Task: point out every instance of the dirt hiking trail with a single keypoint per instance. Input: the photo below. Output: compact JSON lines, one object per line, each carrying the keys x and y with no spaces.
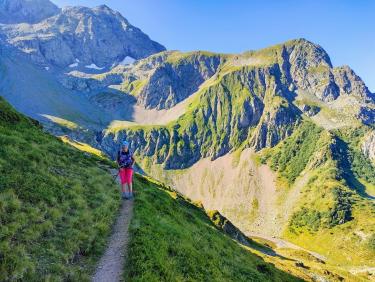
{"x":111,"y":265}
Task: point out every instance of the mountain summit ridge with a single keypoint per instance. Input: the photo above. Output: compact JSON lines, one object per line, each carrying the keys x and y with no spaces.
{"x":26,"y":11}
{"x":80,"y":36}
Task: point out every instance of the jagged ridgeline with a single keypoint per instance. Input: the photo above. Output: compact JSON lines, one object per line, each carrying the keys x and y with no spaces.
{"x":251,"y":100}
{"x":310,"y":122}
{"x":19,"y":11}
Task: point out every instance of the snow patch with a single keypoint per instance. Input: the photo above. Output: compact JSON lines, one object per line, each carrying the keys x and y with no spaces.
{"x":46,"y":68}
{"x":93,"y":66}
{"x":127,"y":61}
{"x":77,"y":60}
{"x":74,"y":65}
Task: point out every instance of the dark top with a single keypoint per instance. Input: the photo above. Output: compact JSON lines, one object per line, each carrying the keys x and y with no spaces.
{"x":125,"y":159}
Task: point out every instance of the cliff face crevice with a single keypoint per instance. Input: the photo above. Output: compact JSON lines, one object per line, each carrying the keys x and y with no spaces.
{"x":368,"y":146}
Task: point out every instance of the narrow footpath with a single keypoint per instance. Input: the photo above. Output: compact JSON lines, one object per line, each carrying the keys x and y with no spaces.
{"x":111,"y":266}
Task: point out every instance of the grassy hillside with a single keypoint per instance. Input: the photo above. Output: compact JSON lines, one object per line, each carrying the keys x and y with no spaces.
{"x":333,"y":209}
{"x":173,"y":240}
{"x":56,"y":204}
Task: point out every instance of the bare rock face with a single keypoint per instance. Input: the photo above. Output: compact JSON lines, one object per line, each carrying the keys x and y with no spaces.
{"x":275,"y":125}
{"x":311,"y":70}
{"x":97,"y":38}
{"x":248,"y":105}
{"x":173,"y":82}
{"x":368,"y":146}
{"x":26,"y":11}
{"x":350,"y":83}
{"x":309,"y":66}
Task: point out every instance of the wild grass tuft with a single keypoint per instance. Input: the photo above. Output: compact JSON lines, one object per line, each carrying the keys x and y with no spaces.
{"x":56,"y":204}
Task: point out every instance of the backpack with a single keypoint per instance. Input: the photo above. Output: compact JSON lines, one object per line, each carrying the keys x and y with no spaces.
{"x":125,"y":159}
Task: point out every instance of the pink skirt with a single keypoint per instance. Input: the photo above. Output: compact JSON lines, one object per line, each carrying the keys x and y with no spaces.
{"x":126,"y":175}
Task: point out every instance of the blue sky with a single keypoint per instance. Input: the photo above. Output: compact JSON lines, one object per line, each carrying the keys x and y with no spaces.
{"x":344,"y":28}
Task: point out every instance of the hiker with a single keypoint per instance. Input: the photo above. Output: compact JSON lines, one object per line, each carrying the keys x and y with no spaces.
{"x":125,"y":161}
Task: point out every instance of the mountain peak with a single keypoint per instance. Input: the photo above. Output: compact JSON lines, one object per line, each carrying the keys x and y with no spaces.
{"x":103,"y":7}
{"x":26,"y":11}
{"x":80,"y":37}
{"x":313,"y":51}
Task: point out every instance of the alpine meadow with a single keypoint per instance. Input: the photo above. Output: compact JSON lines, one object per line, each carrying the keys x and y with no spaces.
{"x":256,"y":166}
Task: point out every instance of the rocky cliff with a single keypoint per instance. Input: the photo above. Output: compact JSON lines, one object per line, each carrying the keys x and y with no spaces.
{"x":80,"y":37}
{"x":368,"y":146}
{"x":253,"y":100}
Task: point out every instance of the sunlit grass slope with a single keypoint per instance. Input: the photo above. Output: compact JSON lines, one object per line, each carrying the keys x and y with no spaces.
{"x":56,"y":204}
{"x":334,"y":216}
{"x":173,"y":240}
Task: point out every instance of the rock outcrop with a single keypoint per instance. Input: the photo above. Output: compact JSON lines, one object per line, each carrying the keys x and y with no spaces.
{"x":175,"y":80}
{"x":368,"y":146}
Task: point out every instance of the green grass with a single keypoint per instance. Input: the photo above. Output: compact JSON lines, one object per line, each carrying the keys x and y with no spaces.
{"x":357,"y":163}
{"x":56,"y":204}
{"x":62,"y":122}
{"x":135,"y":87}
{"x":83,"y":147}
{"x":291,"y":156}
{"x":333,"y":208}
{"x":320,"y":69}
{"x":176,"y":57}
{"x":173,"y":240}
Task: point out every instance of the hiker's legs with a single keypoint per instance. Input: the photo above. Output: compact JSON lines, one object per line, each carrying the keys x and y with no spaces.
{"x":130,"y":182}
{"x":123,"y":187}
{"x":126,"y":182}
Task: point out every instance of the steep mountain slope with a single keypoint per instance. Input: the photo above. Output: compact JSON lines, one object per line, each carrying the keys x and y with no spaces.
{"x":333,"y":199}
{"x":171,"y":239}
{"x":35,"y":58}
{"x":36,"y":93}
{"x":56,"y":204}
{"x":255,"y":101}
{"x":251,"y":101}
{"x":184,"y":113}
{"x":80,"y":37}
{"x":26,"y":11}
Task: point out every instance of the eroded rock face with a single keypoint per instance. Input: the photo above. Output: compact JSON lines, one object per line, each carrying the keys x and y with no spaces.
{"x":350,"y":83}
{"x":250,"y":106}
{"x":173,"y":82}
{"x":97,"y":37}
{"x":274,"y":127}
{"x":309,"y":66}
{"x":368,"y":146}
{"x":84,"y":84}
{"x":26,"y":11}
{"x":311,"y":70}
